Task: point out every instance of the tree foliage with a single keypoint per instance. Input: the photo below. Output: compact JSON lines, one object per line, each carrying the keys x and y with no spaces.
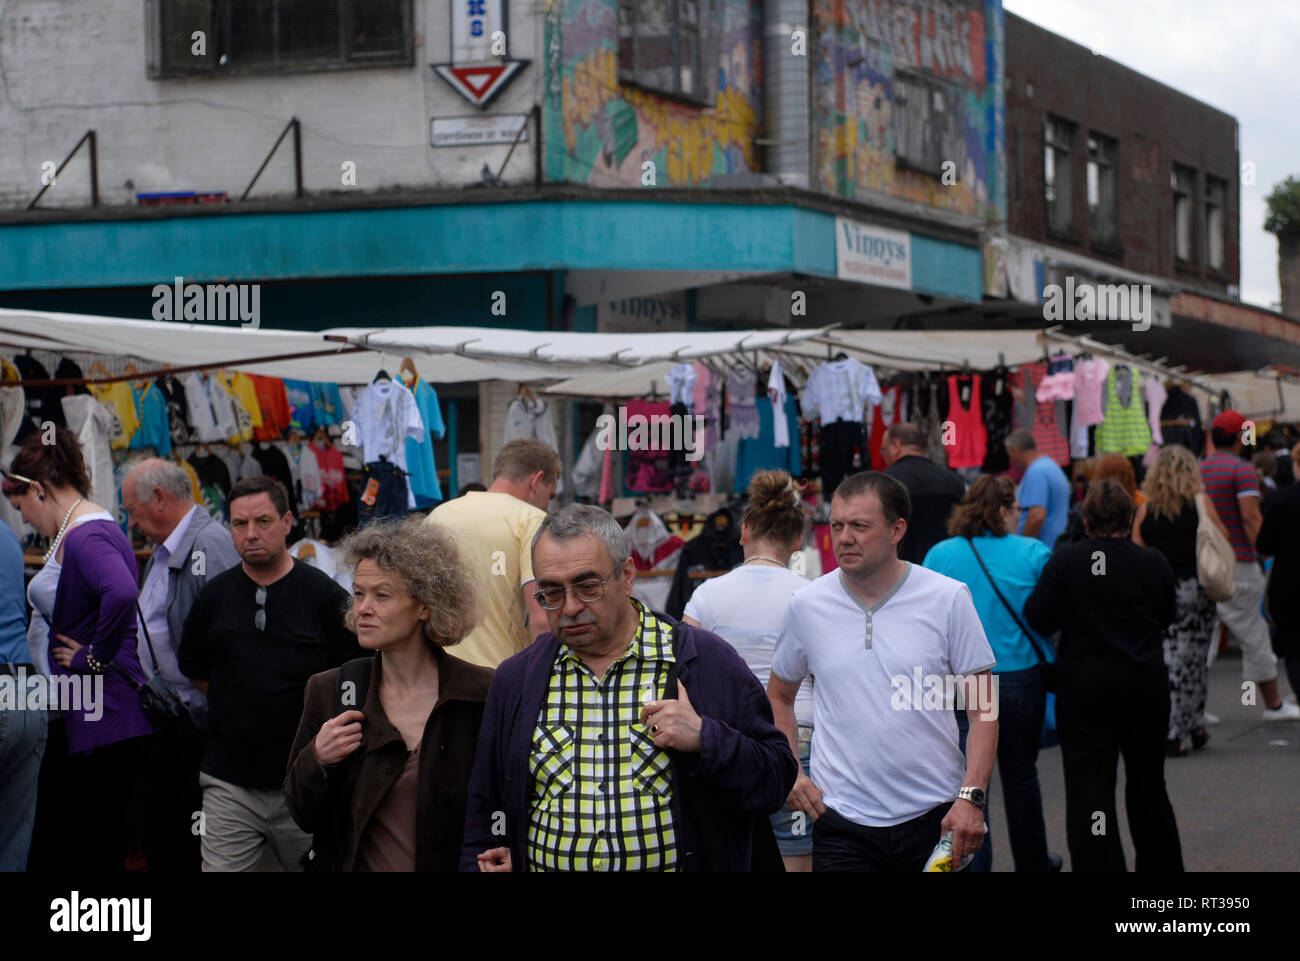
{"x":1284,"y":208}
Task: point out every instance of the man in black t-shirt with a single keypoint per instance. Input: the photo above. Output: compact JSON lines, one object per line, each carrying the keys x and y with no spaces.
{"x":256,"y":633}
{"x":934,"y":490}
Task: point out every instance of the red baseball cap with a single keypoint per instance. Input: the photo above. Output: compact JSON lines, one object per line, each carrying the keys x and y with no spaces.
{"x":1229,"y":420}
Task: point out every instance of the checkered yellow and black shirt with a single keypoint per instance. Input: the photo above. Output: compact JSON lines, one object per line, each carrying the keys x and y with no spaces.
{"x":602,"y":793}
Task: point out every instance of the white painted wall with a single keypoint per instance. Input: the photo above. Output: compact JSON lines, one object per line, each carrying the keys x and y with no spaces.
{"x":67,"y":66}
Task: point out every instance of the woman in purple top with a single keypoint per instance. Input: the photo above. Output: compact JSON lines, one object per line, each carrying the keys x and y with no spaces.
{"x":92,"y":625}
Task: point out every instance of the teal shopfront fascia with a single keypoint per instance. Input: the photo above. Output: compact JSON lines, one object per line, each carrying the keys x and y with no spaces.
{"x":495,"y":264}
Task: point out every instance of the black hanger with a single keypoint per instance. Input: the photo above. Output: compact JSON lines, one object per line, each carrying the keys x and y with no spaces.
{"x":382,"y":375}
{"x":841,"y":356}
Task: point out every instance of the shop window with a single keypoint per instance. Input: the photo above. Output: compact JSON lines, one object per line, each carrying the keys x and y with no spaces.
{"x":1183,"y":181}
{"x":1216,"y":196}
{"x":659,"y":46}
{"x":270,"y":36}
{"x":1102,"y":221}
{"x":1058,"y":193}
{"x":926,"y":129}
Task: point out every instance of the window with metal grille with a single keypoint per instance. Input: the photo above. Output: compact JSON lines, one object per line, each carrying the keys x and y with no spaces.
{"x":1216,"y":196}
{"x":926,"y":126}
{"x":1102,"y":221}
{"x":1058,"y":181}
{"x":1183,"y":180}
{"x":217,"y":37}
{"x":659,"y":46}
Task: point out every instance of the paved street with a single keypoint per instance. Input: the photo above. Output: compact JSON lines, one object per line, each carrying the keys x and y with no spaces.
{"x":1236,"y":800}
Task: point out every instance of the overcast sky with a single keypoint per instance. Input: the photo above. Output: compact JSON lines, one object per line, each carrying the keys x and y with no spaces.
{"x":1238,"y":56}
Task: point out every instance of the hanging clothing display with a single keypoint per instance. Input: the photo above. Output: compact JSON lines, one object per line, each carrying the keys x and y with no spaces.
{"x":1041,"y":419}
{"x":705,"y":402}
{"x":333,"y":484}
{"x":120,"y":401}
{"x":647,"y":468}
{"x":302,"y":410}
{"x":965,"y":413}
{"x":42,"y":402}
{"x":527,"y":417}
{"x":421,"y":469}
{"x":839,"y":391}
{"x":386,"y":416}
{"x":742,"y":406}
{"x":178,"y":411}
{"x":681,"y":385}
{"x":776,"y":393}
{"x":762,"y":452}
{"x":92,"y":423}
{"x":653,"y":548}
{"x":248,"y":413}
{"x":1180,"y":421}
{"x":883,"y":416}
{"x":13,"y":411}
{"x":1153,"y":392}
{"x":384,"y":492}
{"x":214,"y":484}
{"x":1125,"y":429}
{"x":327,"y":403}
{"x":841,"y":448}
{"x":270,"y":461}
{"x":273,"y":403}
{"x":151,"y":412}
{"x":586,"y":472}
{"x":212,"y":412}
{"x":926,"y":409}
{"x":715,"y":549}
{"x":997,"y":401}
{"x":1059,"y":382}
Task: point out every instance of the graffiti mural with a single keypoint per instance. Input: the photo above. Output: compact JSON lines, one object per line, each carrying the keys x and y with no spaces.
{"x":861,"y":142}
{"x":601,"y":132}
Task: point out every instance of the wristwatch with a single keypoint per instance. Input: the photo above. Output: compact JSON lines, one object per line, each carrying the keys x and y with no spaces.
{"x":975,"y":795}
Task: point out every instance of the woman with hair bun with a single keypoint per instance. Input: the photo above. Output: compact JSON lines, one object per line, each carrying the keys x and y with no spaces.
{"x":383,"y":785}
{"x":86,"y":594}
{"x":746,"y":606}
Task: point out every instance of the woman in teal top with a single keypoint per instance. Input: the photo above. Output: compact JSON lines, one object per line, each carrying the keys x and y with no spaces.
{"x":983,"y":523}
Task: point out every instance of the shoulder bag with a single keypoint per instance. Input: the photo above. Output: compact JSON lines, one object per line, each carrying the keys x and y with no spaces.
{"x":1216,"y":561}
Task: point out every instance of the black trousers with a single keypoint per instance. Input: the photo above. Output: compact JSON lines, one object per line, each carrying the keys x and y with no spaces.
{"x":1098,"y":724}
{"x":841,"y":845}
{"x":171,"y":797}
{"x":839,"y":440}
{"x":103,"y":782}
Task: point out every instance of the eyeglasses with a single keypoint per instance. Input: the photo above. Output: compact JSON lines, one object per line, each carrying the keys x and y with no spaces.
{"x":588,"y":590}
{"x":259,"y":619}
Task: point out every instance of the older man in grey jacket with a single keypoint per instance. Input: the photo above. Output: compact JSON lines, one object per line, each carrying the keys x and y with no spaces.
{"x":189,"y":548}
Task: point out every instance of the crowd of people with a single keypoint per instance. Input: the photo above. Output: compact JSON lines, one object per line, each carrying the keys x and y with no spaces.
{"x":492,"y":697}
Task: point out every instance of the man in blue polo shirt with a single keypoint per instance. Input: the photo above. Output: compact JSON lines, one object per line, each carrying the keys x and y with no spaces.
{"x":1044,"y":492}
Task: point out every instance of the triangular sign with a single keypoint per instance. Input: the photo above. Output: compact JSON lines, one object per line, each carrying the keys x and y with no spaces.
{"x":479,"y":83}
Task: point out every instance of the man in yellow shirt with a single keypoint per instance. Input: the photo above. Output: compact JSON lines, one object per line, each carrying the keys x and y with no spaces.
{"x":495,"y":529}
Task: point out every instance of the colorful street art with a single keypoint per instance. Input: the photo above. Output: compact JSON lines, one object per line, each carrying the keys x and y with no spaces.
{"x":601,"y":132}
{"x":861,"y":43}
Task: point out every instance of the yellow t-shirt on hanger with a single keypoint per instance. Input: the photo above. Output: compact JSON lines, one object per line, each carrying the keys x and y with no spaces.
{"x":121,"y":403}
{"x":247,"y":409}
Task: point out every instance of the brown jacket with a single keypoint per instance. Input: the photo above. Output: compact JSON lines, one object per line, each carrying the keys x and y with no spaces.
{"x":446,"y":758}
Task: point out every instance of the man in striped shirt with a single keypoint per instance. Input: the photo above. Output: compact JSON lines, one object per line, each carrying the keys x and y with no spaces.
{"x":1234,"y":489}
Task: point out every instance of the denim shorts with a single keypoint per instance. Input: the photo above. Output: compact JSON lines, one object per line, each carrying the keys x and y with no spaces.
{"x":786,"y":822}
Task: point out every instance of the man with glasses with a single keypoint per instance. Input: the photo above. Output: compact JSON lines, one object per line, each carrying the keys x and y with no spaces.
{"x":256,"y":633}
{"x":621,"y":740}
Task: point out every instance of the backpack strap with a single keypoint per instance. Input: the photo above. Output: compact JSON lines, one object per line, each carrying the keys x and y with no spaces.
{"x":356,"y":672}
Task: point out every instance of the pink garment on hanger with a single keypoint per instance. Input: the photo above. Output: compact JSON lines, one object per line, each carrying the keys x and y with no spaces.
{"x":1089,"y":378}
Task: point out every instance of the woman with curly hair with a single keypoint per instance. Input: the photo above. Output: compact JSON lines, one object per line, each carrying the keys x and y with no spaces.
{"x":382,"y":784}
{"x":1167,"y":521}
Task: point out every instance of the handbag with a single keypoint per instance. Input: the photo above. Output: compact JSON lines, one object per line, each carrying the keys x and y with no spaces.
{"x":162,"y":705}
{"x":1216,"y":561}
{"x":1048,"y":736}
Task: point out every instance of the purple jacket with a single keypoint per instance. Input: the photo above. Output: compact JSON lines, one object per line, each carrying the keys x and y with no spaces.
{"x":95,"y":606}
{"x":721,"y":797}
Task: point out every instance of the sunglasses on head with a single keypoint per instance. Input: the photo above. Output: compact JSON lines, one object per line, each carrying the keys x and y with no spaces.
{"x":14,"y":483}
